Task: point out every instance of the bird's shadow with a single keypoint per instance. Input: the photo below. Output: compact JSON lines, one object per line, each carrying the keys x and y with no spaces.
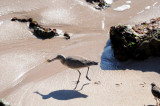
{"x":109,"y":62}
{"x":152,"y":105}
{"x":63,"y":95}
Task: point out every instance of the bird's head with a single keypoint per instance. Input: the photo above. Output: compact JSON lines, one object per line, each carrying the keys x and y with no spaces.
{"x":153,"y":84}
{"x":59,"y":57}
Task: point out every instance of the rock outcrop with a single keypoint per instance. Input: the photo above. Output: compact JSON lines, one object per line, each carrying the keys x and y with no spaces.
{"x":137,"y":42}
{"x":4,"y":103}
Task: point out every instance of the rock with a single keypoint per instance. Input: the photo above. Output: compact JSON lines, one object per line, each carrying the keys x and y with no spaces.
{"x":43,"y":33}
{"x":33,"y":24}
{"x":14,"y":19}
{"x":128,"y":43}
{"x":91,"y":1}
{"x":4,"y":103}
{"x":39,"y":31}
{"x":66,"y":35}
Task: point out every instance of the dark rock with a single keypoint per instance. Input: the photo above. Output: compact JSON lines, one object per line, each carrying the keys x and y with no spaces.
{"x":33,"y":24}
{"x":91,"y":1}
{"x":30,"y":19}
{"x":39,"y":31}
{"x":66,"y":35}
{"x":100,"y":4}
{"x":14,"y":19}
{"x":4,"y":103}
{"x":22,"y":20}
{"x":43,"y":33}
{"x":128,"y":43}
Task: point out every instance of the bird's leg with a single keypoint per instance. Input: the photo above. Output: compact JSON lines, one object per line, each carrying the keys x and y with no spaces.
{"x":159,"y":102}
{"x":79,"y":76}
{"x":156,"y":100}
{"x":78,"y":79}
{"x":87,"y":75}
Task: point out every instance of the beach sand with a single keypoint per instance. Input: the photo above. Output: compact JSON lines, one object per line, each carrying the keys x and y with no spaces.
{"x":26,"y":78}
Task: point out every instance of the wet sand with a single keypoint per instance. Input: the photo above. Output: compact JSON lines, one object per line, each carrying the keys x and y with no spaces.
{"x":26,"y":78}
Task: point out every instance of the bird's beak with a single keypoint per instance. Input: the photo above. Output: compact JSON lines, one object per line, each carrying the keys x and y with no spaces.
{"x":50,"y":60}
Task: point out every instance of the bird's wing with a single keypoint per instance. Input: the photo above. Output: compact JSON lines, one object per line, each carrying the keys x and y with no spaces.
{"x":78,"y":59}
{"x":76,"y":62}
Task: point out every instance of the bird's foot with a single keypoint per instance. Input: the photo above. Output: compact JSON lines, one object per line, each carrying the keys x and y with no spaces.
{"x":88,"y":78}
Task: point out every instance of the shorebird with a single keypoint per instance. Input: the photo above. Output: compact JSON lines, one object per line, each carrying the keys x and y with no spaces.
{"x":75,"y":63}
{"x":156,"y":92}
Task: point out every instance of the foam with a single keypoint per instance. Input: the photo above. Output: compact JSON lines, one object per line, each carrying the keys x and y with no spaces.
{"x":103,"y":24}
{"x":109,"y":1}
{"x":154,"y":3}
{"x":122,"y":8}
{"x":128,"y":2}
{"x":1,"y":22}
{"x":148,"y":7}
{"x":140,"y":12}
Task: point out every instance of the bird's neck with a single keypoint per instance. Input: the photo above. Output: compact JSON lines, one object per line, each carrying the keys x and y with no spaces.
{"x":153,"y":87}
{"x":63,"y":60}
